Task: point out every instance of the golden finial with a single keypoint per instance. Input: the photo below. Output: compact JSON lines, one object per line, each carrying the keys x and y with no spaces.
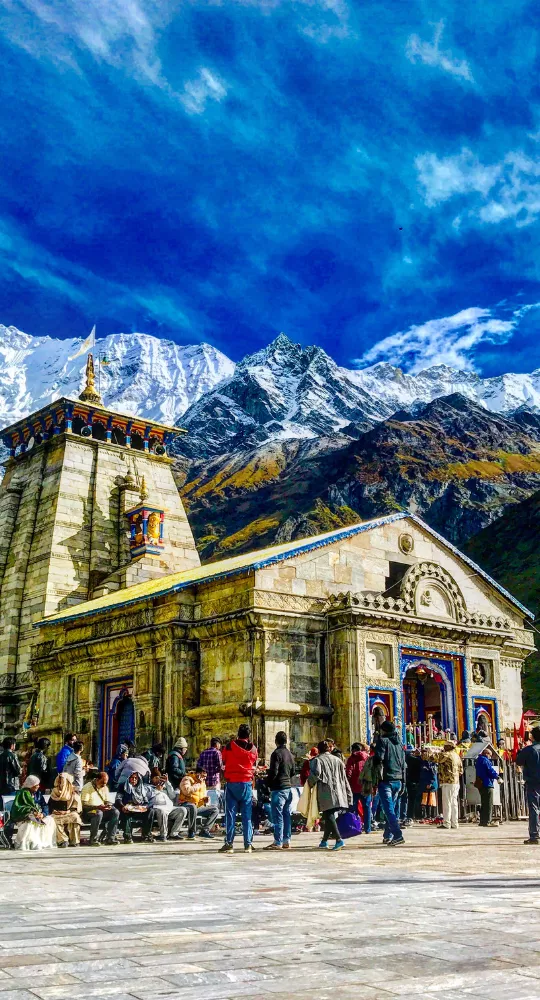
{"x":90,"y":393}
{"x":143,"y":493}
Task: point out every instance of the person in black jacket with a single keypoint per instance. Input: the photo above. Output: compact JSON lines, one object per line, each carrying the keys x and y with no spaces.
{"x":389,"y":752}
{"x":529,"y":759}
{"x":280,"y":773}
{"x":10,"y":769}
{"x":154,"y":756}
{"x":175,"y":765}
{"x":39,"y":763}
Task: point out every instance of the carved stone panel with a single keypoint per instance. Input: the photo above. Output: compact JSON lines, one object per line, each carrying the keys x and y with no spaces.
{"x":379,"y":660}
{"x":482,"y":673}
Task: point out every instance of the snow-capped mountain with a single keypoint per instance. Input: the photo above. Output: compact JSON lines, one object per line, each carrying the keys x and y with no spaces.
{"x":282,"y":392}
{"x":398,"y":390}
{"x":155,"y":378}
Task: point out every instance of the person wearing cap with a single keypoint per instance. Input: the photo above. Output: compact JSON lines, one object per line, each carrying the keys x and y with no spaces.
{"x":116,"y":764}
{"x":390,"y":755}
{"x":449,"y":771}
{"x":175,"y":765}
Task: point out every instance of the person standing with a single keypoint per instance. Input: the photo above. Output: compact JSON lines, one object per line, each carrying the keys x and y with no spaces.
{"x":98,"y":810}
{"x":390,"y":755}
{"x":334,"y":793}
{"x":38,"y":765}
{"x":449,"y":771}
{"x":10,"y":768}
{"x":353,"y":769}
{"x":528,"y":758}
{"x":279,"y":778}
{"x":63,"y":754}
{"x":486,"y":776}
{"x":211,"y":761}
{"x":239,"y":760}
{"x":74,"y":766}
{"x":175,"y":765}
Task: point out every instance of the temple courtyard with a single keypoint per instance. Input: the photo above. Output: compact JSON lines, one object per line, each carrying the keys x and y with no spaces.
{"x":449,"y":916}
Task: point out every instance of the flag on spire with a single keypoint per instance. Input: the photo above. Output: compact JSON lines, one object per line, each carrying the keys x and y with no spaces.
{"x":86,"y":345}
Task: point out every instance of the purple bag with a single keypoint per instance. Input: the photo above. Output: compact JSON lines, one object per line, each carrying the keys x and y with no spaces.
{"x":349,"y":824}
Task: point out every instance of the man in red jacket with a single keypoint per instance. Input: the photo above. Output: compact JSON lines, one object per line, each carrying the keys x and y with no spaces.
{"x":239,"y":759}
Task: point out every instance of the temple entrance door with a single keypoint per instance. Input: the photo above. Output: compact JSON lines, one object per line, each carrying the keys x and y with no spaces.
{"x":117,"y":718}
{"x":423,"y":703}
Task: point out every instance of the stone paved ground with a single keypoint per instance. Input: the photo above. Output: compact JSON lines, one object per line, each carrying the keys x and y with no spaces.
{"x":448,"y":917}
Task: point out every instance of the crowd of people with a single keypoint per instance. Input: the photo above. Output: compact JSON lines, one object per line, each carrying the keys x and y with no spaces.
{"x":382,"y":786}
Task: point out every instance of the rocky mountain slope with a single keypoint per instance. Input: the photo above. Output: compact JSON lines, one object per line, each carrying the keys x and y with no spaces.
{"x":455,"y":463}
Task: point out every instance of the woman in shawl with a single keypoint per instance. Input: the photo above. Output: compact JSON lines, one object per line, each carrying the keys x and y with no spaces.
{"x":35,"y":832}
{"x":64,"y":805}
{"x":327,"y":773}
{"x":133,"y":803}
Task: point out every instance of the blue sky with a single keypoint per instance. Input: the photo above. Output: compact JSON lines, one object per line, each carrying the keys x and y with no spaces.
{"x":364,"y":176}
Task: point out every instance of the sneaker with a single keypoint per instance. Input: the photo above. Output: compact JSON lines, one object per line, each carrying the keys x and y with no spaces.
{"x":149,"y":839}
{"x":176,"y":836}
{"x":162,"y":840}
{"x":273,"y":847}
{"x":191,"y":836}
{"x":127,"y":840}
{"x":323,"y":846}
{"x":95,"y":843}
{"x":338,"y":845}
{"x":397,"y":842}
{"x":249,"y":849}
{"x":59,"y":846}
{"x":226,"y":849}
{"x":531,"y":840}
{"x":285,"y":845}
{"x":206,"y":835}
{"x":387,"y":840}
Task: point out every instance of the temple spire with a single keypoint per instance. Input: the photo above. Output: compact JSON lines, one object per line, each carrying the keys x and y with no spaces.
{"x":90,"y":393}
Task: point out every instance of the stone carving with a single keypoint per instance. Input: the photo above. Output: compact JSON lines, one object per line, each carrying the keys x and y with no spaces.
{"x":482,"y":673}
{"x":433,"y":602}
{"x":379,"y":659}
{"x":442,"y":588}
{"x":406,"y":543}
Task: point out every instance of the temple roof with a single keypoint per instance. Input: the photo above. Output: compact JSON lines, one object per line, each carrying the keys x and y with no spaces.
{"x":80,"y":407}
{"x":252,"y":561}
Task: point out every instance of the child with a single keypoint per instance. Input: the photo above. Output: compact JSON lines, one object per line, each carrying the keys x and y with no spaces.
{"x":429,"y":786}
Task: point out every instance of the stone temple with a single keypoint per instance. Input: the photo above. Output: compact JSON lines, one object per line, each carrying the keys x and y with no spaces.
{"x":110,"y":626}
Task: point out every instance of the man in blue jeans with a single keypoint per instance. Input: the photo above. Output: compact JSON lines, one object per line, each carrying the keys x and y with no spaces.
{"x":389,"y":752}
{"x":279,"y":779}
{"x":239,"y":760}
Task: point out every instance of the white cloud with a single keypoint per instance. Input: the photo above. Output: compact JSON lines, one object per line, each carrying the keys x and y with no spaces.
{"x":431,"y":54}
{"x":507,"y":190}
{"x":205,"y":87}
{"x":122,"y":33}
{"x":446,"y":341}
{"x":444,"y":177}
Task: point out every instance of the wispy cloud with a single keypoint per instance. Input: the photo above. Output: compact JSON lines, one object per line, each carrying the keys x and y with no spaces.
{"x":431,"y":54}
{"x":450,"y":340}
{"x":508,"y":189}
{"x":205,"y":87}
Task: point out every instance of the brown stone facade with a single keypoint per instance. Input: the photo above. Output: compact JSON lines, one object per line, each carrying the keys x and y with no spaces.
{"x":287,"y":645}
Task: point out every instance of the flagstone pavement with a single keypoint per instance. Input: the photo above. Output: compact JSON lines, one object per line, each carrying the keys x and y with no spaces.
{"x":450,"y":916}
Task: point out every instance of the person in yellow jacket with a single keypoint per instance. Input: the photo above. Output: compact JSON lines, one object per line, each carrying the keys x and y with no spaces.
{"x":194,"y":796}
